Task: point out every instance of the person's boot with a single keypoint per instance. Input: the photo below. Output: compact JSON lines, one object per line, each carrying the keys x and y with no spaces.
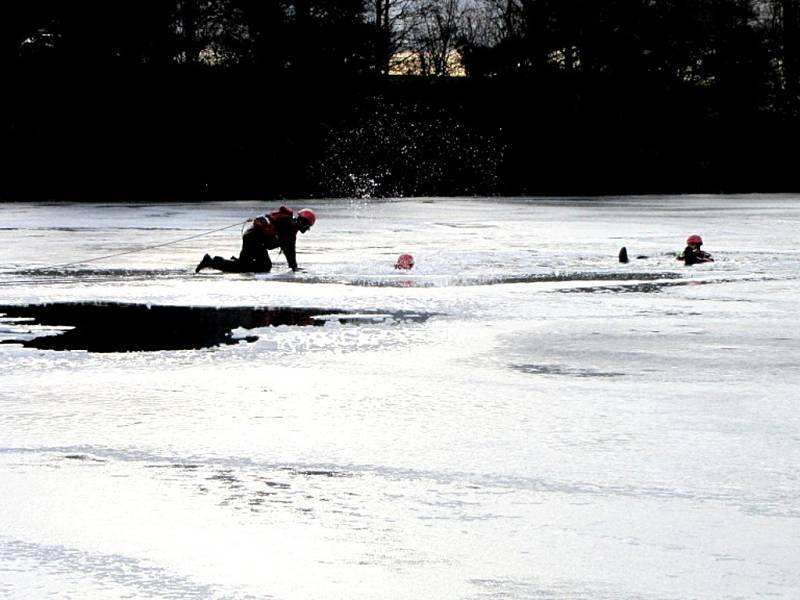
{"x":204,"y":264}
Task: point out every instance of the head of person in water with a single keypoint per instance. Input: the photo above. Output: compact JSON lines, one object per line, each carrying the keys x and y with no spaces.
{"x":405,"y":262}
{"x":694,"y":240}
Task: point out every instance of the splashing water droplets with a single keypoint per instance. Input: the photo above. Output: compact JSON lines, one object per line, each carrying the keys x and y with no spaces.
{"x":426,"y":152}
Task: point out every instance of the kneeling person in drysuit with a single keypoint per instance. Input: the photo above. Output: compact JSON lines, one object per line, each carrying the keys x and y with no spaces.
{"x":692,"y":254}
{"x":267,"y":232}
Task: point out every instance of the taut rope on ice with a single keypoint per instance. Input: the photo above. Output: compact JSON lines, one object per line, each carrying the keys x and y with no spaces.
{"x":142,"y":249}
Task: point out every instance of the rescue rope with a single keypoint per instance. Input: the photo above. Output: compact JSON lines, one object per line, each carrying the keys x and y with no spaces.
{"x":88,"y":260}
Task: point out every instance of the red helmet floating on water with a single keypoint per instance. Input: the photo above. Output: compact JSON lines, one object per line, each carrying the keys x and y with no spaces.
{"x":694,"y":240}
{"x":404,"y":261}
{"x":308,"y":215}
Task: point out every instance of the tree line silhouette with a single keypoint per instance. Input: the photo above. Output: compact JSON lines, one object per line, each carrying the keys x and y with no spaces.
{"x":272,"y":98}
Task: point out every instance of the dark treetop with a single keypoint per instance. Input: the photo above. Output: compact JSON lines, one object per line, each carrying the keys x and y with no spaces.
{"x":160,"y":99}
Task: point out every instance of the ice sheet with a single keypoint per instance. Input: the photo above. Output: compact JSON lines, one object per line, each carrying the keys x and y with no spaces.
{"x":559,"y":425}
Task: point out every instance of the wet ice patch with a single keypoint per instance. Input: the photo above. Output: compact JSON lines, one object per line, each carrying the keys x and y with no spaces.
{"x":559,"y":370}
{"x":115,"y":327}
{"x":84,"y":458}
{"x":437,"y":280}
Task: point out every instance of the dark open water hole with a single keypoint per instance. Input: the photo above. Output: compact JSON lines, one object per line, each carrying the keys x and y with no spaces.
{"x":114,"y":327}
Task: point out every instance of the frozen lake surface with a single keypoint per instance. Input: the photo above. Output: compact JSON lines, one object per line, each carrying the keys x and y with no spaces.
{"x":520,"y":416}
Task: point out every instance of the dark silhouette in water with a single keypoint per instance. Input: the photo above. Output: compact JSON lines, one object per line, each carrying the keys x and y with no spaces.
{"x":623,"y":255}
{"x":692,"y":254}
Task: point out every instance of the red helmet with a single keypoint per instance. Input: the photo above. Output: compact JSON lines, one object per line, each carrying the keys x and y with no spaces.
{"x":308,"y":215}
{"x":404,"y":261}
{"x":694,"y":240}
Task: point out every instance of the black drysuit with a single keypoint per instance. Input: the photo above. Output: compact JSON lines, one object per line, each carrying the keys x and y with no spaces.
{"x":692,"y":255}
{"x":278,"y":230}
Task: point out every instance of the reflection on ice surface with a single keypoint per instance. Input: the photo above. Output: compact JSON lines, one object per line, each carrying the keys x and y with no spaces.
{"x":518,"y":416}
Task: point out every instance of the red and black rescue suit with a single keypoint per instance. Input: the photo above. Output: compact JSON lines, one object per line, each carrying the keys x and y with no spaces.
{"x":275,"y":230}
{"x":692,"y":255}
